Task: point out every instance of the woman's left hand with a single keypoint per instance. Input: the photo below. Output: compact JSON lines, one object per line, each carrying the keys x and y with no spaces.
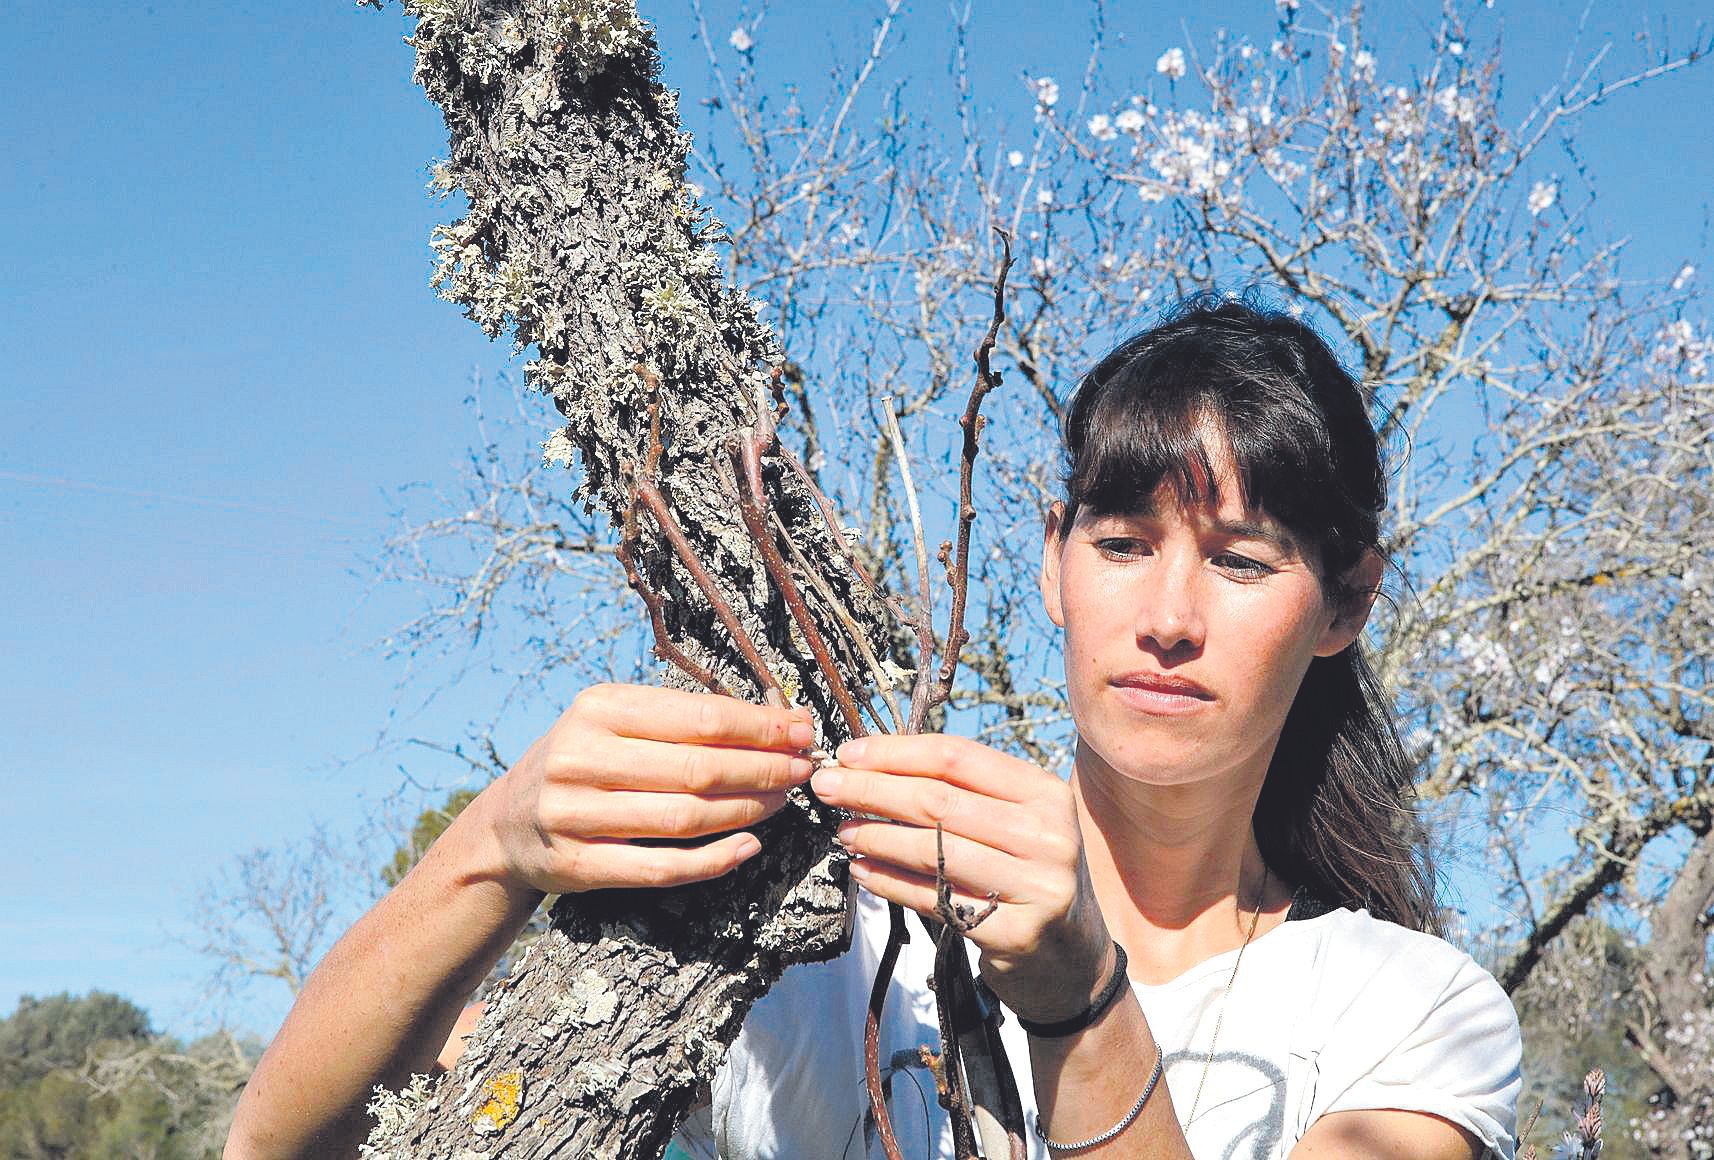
{"x":1010,"y":829}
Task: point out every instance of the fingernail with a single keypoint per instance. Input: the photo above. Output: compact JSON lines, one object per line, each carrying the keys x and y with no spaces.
{"x":801,"y":733}
{"x":801,"y":768}
{"x":749,"y":847}
{"x":851,"y":753}
{"x":843,"y":834}
{"x":859,"y":869}
{"x":827,"y":781}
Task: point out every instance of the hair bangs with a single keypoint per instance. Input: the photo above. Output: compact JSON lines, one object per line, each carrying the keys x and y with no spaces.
{"x":1136,"y":444}
{"x":1166,"y":409}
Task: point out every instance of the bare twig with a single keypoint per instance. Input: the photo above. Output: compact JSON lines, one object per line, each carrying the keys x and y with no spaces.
{"x":897,"y":937}
{"x":958,"y":573}
{"x":752,"y":499}
{"x":664,"y":646}
{"x":921,"y":618}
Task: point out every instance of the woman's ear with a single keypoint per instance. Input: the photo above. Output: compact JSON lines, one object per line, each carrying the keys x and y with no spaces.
{"x":1360,"y":584}
{"x":1052,"y":541}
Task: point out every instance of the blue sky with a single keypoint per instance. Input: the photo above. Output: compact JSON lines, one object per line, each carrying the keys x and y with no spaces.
{"x":221,"y":361}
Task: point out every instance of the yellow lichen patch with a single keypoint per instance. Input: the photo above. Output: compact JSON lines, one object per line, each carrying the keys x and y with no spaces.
{"x":505,"y":1094}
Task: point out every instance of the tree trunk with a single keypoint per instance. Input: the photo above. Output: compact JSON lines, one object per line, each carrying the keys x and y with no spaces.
{"x":583,"y":240}
{"x":1677,"y":1011}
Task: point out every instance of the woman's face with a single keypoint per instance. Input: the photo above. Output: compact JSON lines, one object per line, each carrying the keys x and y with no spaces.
{"x":1187,"y":632}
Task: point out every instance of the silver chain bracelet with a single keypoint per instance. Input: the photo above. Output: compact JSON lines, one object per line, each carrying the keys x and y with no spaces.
{"x":1136,"y":1110}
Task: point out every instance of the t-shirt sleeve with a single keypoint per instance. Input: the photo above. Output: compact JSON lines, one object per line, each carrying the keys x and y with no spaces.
{"x":1462,"y":1062}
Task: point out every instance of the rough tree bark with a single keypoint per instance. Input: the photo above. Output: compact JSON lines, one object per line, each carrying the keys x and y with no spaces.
{"x":1676,"y":1015}
{"x":583,"y":240}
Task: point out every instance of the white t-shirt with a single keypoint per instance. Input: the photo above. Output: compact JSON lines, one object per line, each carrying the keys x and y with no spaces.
{"x":1333,"y":1013}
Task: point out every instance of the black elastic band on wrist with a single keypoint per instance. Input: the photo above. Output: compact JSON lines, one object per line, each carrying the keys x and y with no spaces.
{"x":1059,"y":1029}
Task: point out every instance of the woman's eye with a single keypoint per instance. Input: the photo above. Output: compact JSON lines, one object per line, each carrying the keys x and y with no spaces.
{"x":1121,"y":546}
{"x":1242,"y":565}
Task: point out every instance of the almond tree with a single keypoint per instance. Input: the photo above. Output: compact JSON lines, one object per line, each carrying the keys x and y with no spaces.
{"x":1549,"y":629}
{"x":583,"y":242}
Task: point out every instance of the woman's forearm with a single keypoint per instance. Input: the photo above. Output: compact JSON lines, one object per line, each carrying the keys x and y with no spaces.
{"x":623,"y":762}
{"x":380,"y":1006}
{"x":1081,"y":1093}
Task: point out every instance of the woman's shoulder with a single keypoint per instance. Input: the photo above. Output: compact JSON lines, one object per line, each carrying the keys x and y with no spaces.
{"x":1393,"y":982}
{"x":1399,"y":1018}
{"x":1355,"y":941}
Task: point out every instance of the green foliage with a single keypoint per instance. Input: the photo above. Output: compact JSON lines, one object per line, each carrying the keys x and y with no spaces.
{"x":83,"y":1076}
{"x":60,"y":1031}
{"x":430,"y":825}
{"x":1573,"y":1011}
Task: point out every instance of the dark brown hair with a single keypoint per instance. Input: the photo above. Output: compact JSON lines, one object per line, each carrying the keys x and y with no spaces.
{"x":1336,"y":815}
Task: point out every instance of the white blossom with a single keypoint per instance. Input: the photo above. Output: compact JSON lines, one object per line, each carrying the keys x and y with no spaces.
{"x":1044,"y":197}
{"x":1678,"y":344}
{"x":1454,"y":106}
{"x":741,"y":40}
{"x":1482,"y":655}
{"x":1129,"y":121}
{"x":1685,"y":274}
{"x":1363,"y":65}
{"x":1101,"y":127}
{"x":1188,"y":156}
{"x":1171,"y":64}
{"x":1047,"y":91}
{"x":1456,"y":48}
{"x":1542,"y":196}
{"x":1015,"y":158}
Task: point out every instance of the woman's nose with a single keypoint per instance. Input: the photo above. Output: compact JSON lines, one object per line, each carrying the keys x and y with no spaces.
{"x":1170,"y":617}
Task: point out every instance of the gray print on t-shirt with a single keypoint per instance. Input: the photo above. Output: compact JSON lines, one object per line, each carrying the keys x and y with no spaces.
{"x":1263,"y":1133}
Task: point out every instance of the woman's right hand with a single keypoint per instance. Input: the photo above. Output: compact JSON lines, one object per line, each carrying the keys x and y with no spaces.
{"x":630,"y":762}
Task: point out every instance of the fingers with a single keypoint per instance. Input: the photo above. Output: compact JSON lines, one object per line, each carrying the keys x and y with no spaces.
{"x":974,"y":867}
{"x":628,"y":814}
{"x":661,"y":766}
{"x":605,"y":864}
{"x":956,"y":760}
{"x":1018,"y":830}
{"x":917,"y":892}
{"x":645,"y":712}
{"x":899,"y":864}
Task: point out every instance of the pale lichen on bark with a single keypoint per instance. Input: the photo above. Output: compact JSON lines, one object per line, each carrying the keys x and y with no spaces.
{"x":583,"y":241}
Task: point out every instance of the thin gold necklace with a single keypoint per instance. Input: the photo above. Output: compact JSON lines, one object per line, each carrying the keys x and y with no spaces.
{"x":1255,"y":920}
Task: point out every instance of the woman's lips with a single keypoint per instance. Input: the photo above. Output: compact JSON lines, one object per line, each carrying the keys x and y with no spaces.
{"x":1160,"y":694}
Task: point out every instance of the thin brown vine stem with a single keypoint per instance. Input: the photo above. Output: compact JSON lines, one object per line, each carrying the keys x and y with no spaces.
{"x":751,"y":501}
{"x":956,"y":991}
{"x":665,"y":648}
{"x":947,"y":947}
{"x":853,"y":634}
{"x":657,"y":507}
{"x":897,"y":937}
{"x":840,"y":539}
{"x":955,"y":995}
{"x":958,"y":572}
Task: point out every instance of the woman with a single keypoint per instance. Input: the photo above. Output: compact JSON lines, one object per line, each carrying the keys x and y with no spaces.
{"x":1235,"y":821}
